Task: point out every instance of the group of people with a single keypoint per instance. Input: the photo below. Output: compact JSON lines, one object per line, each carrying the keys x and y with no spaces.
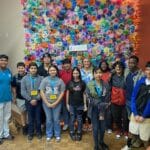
{"x":100,"y":96}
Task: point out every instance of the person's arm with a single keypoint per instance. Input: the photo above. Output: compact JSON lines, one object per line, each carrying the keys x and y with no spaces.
{"x":14,"y":94}
{"x":133,"y":98}
{"x":67,"y":99}
{"x":58,"y":100}
{"x":146,"y":112}
{"x":24,"y":87}
{"x":85,"y":103}
{"x":44,"y":98}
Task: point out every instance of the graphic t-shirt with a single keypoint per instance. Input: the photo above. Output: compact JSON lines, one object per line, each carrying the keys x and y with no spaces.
{"x":52,"y":88}
{"x":76,"y":90}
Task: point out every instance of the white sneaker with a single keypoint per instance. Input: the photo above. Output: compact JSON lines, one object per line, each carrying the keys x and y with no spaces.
{"x":126,"y":148}
{"x":109,"y":131}
{"x":118,"y":136}
{"x":58,"y":139}
{"x":65,"y":127}
{"x":48,"y":139}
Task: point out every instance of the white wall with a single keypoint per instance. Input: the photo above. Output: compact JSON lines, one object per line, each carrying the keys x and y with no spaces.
{"x":11,"y":31}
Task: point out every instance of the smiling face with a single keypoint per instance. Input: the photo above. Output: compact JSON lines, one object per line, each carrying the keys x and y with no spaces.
{"x":133,"y":64}
{"x":3,"y":63}
{"x":21,"y":70}
{"x":52,"y":71}
{"x":97,"y":74}
{"x":86,"y":63}
{"x":118,"y":69}
{"x":47,"y":60}
{"x":33,"y":70}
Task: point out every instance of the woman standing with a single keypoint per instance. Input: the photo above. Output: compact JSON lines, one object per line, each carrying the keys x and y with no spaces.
{"x":76,"y":103}
{"x":52,"y":90}
{"x":98,"y":97}
{"x":87,"y":76}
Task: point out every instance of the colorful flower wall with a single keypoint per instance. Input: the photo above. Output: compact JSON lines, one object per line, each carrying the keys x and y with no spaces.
{"x":108,"y":28}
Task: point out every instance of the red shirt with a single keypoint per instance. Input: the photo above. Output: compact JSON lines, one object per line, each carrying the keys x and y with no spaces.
{"x":65,"y":75}
{"x":106,"y":76}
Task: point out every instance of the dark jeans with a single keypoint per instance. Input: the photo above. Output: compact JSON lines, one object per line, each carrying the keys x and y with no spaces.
{"x":64,"y":113}
{"x":120,"y":117}
{"x":98,"y":128}
{"x":34,"y":117}
{"x":76,"y":113}
{"x":109,"y":119}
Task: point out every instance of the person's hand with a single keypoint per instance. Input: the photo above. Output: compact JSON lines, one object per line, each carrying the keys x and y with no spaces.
{"x":14,"y":101}
{"x":137,"y":118}
{"x":53,"y":105}
{"x":68,"y":107}
{"x":85,"y":108}
{"x":141,"y":119}
{"x":33,"y":102}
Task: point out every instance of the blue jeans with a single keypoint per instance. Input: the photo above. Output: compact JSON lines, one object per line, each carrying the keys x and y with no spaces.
{"x":76,"y":112}
{"x":98,"y":127}
{"x":65,"y":113}
{"x":34,"y":118}
{"x":52,"y":120}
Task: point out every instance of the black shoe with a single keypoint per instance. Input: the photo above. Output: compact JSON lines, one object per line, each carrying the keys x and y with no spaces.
{"x":96,"y":148}
{"x":39,"y":136}
{"x":30,"y":137}
{"x":79,"y":137}
{"x":73,"y":137}
{"x":104,"y":146}
{"x":25,"y":130}
{"x":1,"y":141}
{"x":9,"y":137}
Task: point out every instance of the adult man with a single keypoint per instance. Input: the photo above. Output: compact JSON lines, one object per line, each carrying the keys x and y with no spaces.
{"x":5,"y":98}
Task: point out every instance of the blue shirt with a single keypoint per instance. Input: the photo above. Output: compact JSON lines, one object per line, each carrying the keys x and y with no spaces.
{"x":86,"y":76}
{"x":5,"y":85}
{"x":129,"y":87}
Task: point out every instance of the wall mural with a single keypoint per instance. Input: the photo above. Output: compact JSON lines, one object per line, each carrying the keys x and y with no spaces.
{"x":98,"y":29}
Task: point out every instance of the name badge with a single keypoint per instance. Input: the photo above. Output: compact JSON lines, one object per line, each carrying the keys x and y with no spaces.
{"x":34,"y":93}
{"x":53,"y":97}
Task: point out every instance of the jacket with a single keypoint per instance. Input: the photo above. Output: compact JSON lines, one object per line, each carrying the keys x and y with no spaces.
{"x":102,"y":102}
{"x":136,"y":93}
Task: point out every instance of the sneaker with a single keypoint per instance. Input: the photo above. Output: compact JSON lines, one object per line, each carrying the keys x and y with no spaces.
{"x":72,"y":136}
{"x":30,"y":137}
{"x":9,"y":137}
{"x":1,"y":141}
{"x":89,"y":128}
{"x":48,"y":139}
{"x":126,"y":135}
{"x":137,"y":143}
{"x":126,"y":148}
{"x":39,"y":136}
{"x":65,"y":127}
{"x":109,"y":131}
{"x":118,"y":135}
{"x":25,"y":130}
{"x":85,"y":128}
{"x":58,"y":139}
{"x":79,"y":137}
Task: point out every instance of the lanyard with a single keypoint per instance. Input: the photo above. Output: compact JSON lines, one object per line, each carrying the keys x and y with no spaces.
{"x":53,"y":83}
{"x":98,"y":89}
{"x":33,"y":81}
